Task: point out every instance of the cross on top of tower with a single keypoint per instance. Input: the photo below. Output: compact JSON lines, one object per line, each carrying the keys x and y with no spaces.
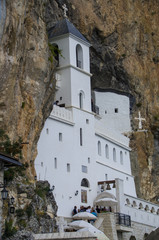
{"x":65,"y":9}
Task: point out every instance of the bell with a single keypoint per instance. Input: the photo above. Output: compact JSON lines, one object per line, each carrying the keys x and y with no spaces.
{"x":108,"y":187}
{"x":114,"y":185}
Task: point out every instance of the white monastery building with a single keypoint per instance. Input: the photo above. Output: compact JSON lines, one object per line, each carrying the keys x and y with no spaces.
{"x":82,"y":150}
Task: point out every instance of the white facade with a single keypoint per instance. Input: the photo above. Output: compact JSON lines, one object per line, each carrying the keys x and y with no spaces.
{"x":77,"y":144}
{"x":114,"y":109}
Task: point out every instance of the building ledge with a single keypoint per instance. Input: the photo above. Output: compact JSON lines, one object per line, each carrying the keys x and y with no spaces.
{"x":65,"y":235}
{"x":121,"y":228}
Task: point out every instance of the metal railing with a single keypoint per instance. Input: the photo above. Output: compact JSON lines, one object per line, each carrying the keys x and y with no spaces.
{"x":123,"y":219}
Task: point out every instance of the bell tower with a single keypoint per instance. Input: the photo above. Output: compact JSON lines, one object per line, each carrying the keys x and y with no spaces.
{"x":73,"y":68}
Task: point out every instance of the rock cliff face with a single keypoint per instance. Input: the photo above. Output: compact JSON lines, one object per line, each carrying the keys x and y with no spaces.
{"x":26,"y":79}
{"x":124,"y":56}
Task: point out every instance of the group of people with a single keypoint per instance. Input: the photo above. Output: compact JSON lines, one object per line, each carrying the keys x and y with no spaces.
{"x":89,"y":209}
{"x":92,"y":210}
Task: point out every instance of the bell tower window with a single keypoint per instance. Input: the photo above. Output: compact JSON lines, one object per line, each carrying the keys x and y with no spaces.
{"x":79,"y":56}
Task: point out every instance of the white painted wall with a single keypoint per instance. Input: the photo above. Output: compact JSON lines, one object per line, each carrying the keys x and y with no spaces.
{"x":107,"y":102}
{"x":68,"y":151}
{"x":80,"y":82}
{"x":64,"y":91}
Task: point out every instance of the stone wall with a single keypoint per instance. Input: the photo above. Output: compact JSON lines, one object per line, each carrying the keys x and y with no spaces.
{"x":139,"y":231}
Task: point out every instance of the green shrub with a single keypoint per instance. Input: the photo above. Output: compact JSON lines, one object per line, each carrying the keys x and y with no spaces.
{"x":11,"y":148}
{"x":20,"y":212}
{"x":42,"y":191}
{"x":138,"y":105}
{"x":29,"y":211}
{"x":23,"y":105}
{"x":9,"y":174}
{"x":22,"y":223}
{"x":155,"y":118}
{"x":9,"y":229}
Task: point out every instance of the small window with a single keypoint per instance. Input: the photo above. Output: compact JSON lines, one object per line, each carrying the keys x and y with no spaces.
{"x":87,"y":121}
{"x":99,"y":148}
{"x":106,"y":177}
{"x":47,"y":131}
{"x":42,"y":164}
{"x":84,"y":169}
{"x":81,"y":99}
{"x":55,"y":163}
{"x":105,"y":111}
{"x":60,"y":98}
{"x":89,"y":160}
{"x":68,"y":167}
{"x":106,"y":151}
{"x":127,"y":179}
{"x":60,"y":137}
{"x":114,"y":154}
{"x":116,"y":110}
{"x":121,"y":157}
{"x":81,"y":137}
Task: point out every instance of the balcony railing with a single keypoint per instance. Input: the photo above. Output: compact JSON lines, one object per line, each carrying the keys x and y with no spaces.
{"x":123,"y":219}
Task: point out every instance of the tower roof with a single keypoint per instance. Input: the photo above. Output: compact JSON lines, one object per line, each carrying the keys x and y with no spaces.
{"x":63,"y":27}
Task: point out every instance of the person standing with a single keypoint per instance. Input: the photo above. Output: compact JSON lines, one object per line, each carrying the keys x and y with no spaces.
{"x":74,"y":211}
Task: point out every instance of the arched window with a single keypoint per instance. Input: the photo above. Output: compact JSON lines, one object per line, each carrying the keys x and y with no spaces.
{"x":145,"y":236}
{"x":134,"y":204}
{"x":99,"y":148}
{"x":106,"y":151}
{"x":141,"y":206}
{"x":127,"y":202}
{"x":114,"y":154}
{"x":153,"y":210}
{"x":84,"y":183}
{"x":79,"y":56}
{"x":81,"y":99}
{"x":147,"y":208}
{"x":56,"y":52}
{"x":132,"y":238}
{"x":121,"y":157}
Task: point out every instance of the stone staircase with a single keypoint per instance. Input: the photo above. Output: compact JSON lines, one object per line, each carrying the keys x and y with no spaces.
{"x":106,"y":223}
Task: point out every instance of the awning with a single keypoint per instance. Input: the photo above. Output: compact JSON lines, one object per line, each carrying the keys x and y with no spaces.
{"x":9,"y":161}
{"x":84,"y":216}
{"x":105,"y":202}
